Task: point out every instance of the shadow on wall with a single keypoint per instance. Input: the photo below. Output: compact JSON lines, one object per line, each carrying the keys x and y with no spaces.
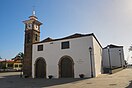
{"x":15,"y":81}
{"x":130,"y":85}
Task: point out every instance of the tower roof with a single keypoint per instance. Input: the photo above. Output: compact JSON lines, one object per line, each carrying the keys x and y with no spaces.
{"x":33,"y":15}
{"x":32,"y":19}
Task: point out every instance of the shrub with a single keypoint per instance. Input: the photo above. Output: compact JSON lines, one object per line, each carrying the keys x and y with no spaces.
{"x":50,"y":76}
{"x":81,"y":75}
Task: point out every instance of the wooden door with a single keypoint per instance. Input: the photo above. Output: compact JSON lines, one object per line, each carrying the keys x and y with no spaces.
{"x":40,"y":68}
{"x":66,"y":68}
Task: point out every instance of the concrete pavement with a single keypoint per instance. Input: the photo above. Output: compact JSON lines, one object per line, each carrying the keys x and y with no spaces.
{"x":122,"y":79}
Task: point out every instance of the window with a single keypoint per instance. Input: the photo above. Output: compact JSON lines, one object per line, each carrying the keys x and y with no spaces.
{"x":28,"y":38}
{"x":65,"y":45}
{"x":40,"y":47}
{"x":16,"y":65}
{"x":36,"y":37}
{"x":10,"y":65}
{"x":20,"y":65}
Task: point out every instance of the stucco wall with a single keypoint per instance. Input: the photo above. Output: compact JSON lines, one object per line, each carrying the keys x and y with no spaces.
{"x":114,"y":57}
{"x":97,"y":53}
{"x":78,"y":51}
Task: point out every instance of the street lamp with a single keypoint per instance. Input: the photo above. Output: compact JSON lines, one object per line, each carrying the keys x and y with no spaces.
{"x":90,"y":50}
{"x":5,"y":65}
{"x":109,"y":60}
{"x":120,"y":57}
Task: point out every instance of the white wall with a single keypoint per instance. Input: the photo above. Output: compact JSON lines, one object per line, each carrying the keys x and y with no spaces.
{"x":105,"y":58}
{"x":79,"y":52}
{"x":114,"y":57}
{"x":97,"y":53}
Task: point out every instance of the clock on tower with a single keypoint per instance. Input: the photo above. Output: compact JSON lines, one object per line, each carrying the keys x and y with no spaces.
{"x":32,"y":35}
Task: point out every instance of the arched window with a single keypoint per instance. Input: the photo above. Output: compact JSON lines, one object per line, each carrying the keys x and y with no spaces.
{"x":28,"y":38}
{"x":36,"y":37}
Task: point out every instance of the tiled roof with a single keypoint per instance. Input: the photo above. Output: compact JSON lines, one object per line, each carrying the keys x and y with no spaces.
{"x":113,"y":46}
{"x":47,"y":40}
{"x":76,"y":35}
{"x":7,"y":60}
{"x":68,"y":37}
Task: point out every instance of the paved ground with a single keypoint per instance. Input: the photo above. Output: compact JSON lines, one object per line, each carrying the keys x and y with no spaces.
{"x":122,"y":79}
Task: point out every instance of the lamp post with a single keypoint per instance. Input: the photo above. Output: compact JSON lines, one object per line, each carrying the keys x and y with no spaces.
{"x":90,"y":51}
{"x":120,"y":57}
{"x":5,"y":65}
{"x":109,"y":60}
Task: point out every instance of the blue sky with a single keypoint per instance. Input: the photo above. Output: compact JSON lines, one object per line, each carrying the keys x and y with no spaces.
{"x":109,"y":20}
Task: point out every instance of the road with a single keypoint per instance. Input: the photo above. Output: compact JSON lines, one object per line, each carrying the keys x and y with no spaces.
{"x":121,"y":79}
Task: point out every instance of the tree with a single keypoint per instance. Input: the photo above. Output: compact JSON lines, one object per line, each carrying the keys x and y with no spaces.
{"x":20,"y":55}
{"x":130,"y":48}
{"x":0,"y":57}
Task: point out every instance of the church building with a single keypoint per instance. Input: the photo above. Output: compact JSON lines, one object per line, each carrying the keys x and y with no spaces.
{"x":68,"y":57}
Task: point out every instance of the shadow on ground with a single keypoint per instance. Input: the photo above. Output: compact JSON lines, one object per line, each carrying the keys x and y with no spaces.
{"x":15,"y":81}
{"x":130,"y":85}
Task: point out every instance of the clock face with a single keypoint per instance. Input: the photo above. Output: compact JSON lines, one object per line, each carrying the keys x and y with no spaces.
{"x":36,"y":27}
{"x":29,"y":26}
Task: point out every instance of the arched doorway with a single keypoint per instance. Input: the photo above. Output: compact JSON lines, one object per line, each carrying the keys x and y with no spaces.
{"x":66,"y":67}
{"x":40,"y":68}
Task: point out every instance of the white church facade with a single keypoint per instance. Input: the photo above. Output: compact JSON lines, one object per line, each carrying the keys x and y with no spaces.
{"x":67,"y":57}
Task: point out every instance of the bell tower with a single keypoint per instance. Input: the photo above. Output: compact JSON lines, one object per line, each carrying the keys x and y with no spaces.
{"x":32,"y":35}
